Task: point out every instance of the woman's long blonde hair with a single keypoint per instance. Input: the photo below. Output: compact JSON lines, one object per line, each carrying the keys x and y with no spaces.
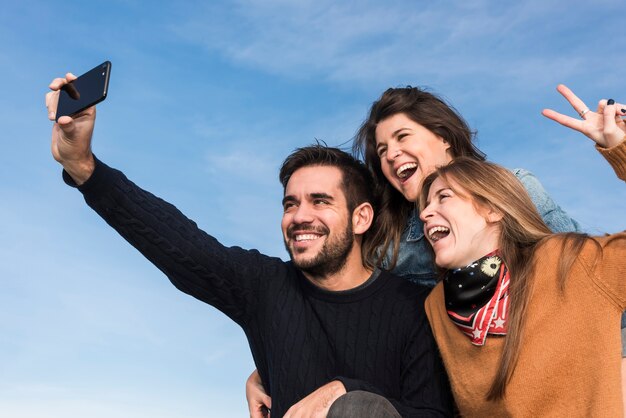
{"x":523,"y":230}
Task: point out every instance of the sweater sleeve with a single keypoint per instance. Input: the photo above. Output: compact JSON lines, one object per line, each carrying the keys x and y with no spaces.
{"x":609,"y":267}
{"x":616,"y":156}
{"x":195,"y":262}
{"x":606,"y":263}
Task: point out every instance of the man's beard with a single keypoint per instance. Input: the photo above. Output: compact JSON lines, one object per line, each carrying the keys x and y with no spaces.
{"x":331,"y":258}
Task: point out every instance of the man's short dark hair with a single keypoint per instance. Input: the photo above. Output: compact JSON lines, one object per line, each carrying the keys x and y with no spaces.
{"x":357,"y":183}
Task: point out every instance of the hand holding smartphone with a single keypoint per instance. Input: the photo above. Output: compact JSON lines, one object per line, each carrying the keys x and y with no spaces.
{"x":87,"y":90}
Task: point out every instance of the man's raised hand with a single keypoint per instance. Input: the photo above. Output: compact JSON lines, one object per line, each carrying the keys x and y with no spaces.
{"x":71,"y":136}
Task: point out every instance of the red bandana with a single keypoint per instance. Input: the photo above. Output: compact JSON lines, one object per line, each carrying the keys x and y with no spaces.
{"x":477,"y":298}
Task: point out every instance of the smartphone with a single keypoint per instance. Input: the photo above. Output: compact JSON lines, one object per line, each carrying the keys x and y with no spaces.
{"x":87,"y":90}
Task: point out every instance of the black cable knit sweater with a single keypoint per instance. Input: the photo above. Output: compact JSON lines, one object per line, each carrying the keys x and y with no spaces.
{"x":375,"y":337}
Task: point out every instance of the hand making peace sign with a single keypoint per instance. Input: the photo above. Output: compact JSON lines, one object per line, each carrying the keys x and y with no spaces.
{"x":605,"y":126}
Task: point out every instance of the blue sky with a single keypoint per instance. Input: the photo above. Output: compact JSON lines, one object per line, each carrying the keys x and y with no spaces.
{"x":204,"y":103}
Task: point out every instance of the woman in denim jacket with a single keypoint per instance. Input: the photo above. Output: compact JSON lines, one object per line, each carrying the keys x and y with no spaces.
{"x":407,"y":133}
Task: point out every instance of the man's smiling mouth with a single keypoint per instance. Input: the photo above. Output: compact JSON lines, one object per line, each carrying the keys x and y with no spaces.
{"x":305,"y":237}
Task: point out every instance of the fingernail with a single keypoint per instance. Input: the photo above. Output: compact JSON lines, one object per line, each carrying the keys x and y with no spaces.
{"x":50,"y":115}
{"x":610,"y":102}
{"x":623,"y":110}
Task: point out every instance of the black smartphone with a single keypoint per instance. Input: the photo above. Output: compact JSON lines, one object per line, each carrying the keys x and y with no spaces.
{"x":87,"y":90}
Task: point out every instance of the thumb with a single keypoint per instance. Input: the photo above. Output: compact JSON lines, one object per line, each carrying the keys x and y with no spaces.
{"x":613,"y":135}
{"x":67,"y":126}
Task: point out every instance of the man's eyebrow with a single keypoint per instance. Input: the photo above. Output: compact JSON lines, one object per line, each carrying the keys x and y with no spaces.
{"x":321,"y":196}
{"x":288,"y":198}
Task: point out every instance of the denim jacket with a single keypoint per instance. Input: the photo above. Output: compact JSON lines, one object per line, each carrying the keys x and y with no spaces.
{"x":415,"y":258}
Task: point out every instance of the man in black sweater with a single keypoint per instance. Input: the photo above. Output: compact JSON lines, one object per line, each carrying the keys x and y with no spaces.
{"x":324,"y":324}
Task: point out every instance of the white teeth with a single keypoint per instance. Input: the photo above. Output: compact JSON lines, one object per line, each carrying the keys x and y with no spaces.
{"x":435,"y":229}
{"x":401,"y":171}
{"x":305,"y":237}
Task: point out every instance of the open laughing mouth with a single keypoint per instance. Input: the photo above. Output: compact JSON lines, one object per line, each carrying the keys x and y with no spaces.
{"x":406,"y":170}
{"x":438,"y":232}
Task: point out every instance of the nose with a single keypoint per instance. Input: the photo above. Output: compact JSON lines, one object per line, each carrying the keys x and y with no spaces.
{"x":427,"y":213}
{"x":393,"y":150}
{"x":303,"y":214}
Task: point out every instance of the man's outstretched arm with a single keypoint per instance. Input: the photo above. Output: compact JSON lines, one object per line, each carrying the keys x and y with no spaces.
{"x":195,"y":262}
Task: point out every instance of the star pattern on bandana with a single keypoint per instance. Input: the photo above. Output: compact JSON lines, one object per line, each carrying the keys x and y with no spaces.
{"x":477,"y":298}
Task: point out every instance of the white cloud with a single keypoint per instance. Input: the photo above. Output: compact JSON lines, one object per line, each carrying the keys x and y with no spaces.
{"x":364,"y":42}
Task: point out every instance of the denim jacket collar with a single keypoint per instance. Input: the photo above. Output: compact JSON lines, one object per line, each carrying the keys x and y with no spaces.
{"x":415,"y":227}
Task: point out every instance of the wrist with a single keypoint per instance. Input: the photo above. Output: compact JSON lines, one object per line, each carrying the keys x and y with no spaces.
{"x":615,"y":142}
{"x":611,"y":141}
{"x":337,"y":388}
{"x":80,"y":170}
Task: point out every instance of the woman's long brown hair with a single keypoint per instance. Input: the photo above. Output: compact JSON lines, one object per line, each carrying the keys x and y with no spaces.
{"x":434,"y":114}
{"x":522,"y":232}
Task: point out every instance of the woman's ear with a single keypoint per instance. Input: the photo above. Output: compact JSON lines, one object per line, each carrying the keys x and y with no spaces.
{"x":493,"y":215}
{"x":362,"y":218}
{"x":448,"y":149}
{"x":489,"y":212}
